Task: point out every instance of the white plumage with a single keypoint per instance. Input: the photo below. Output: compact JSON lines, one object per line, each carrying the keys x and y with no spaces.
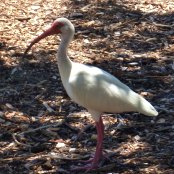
{"x":99,"y":91}
{"x":91,"y":87}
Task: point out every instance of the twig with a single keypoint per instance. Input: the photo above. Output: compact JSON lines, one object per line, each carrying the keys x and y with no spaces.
{"x":163,"y":25}
{"x":24,"y":18}
{"x":49,"y":109}
{"x":19,"y":143}
{"x":33,"y":130}
{"x":39,"y":128}
{"x":14,"y":158}
{"x":24,"y":157}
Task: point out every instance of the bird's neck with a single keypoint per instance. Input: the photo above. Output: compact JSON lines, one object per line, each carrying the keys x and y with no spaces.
{"x":64,"y":62}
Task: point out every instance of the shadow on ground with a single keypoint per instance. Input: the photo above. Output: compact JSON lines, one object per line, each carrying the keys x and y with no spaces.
{"x":142,"y":144}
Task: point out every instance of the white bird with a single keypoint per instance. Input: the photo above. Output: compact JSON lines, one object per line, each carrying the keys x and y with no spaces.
{"x":93,"y":88}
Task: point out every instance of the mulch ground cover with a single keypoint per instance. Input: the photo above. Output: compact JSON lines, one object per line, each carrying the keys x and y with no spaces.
{"x":42,"y":130}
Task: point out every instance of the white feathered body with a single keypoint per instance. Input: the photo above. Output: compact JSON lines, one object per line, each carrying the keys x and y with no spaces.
{"x":99,"y":91}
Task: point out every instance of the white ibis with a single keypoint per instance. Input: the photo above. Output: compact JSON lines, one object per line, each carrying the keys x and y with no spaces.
{"x":93,"y":88}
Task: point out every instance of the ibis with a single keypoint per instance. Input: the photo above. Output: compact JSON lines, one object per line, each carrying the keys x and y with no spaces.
{"x":93,"y":88}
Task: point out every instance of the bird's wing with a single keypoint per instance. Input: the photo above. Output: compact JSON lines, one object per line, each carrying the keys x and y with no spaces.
{"x":96,"y":89}
{"x":99,"y":91}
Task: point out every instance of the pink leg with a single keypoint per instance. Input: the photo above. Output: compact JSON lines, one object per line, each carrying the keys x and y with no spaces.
{"x":99,"y":149}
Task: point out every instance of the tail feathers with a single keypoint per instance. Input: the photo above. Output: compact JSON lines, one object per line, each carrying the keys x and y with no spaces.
{"x":146,"y":108}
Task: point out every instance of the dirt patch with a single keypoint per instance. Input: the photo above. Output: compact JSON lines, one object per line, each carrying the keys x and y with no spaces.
{"x":40,"y":124}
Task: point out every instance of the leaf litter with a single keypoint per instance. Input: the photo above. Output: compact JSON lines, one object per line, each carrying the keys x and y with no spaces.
{"x":42,"y":130}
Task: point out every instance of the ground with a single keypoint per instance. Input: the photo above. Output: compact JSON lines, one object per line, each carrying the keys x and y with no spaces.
{"x":41,"y":126}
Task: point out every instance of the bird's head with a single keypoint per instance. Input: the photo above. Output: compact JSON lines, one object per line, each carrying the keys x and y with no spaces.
{"x":60,"y":25}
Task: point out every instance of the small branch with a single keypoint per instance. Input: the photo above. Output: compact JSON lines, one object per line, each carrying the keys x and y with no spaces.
{"x":163,"y":25}
{"x":33,"y":130}
{"x":39,"y":128}
{"x":24,"y":18}
{"x":19,"y":143}
{"x":49,"y":109}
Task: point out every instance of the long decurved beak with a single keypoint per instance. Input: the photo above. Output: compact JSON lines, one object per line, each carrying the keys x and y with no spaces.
{"x":48,"y":32}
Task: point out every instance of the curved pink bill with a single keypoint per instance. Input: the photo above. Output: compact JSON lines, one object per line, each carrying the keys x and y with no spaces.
{"x":50,"y":31}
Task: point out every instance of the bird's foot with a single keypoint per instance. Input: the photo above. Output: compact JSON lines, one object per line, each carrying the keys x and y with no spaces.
{"x":92,"y":156}
{"x":91,"y":164}
{"x":87,"y":161}
{"x":87,"y":168}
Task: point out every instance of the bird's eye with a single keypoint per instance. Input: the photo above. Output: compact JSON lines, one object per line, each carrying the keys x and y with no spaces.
{"x":57,"y":25}
{"x":60,"y":25}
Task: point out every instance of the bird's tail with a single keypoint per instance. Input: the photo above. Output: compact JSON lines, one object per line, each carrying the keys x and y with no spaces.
{"x":146,"y":108}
